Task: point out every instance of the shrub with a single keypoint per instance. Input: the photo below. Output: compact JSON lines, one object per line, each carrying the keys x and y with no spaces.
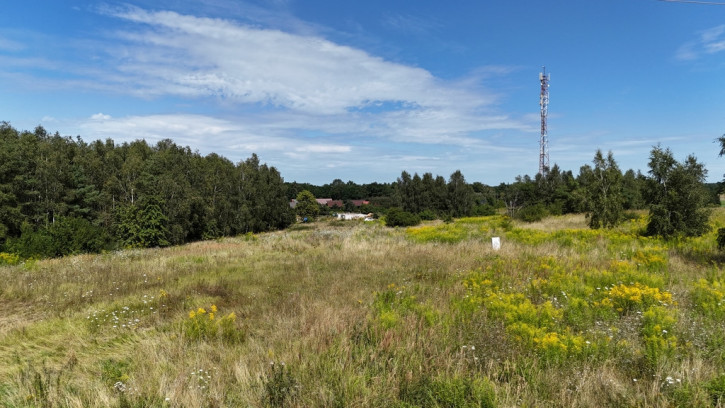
{"x":427,"y":215}
{"x":637,"y":296}
{"x":657,"y":331}
{"x":708,"y":297}
{"x":9,"y":259}
{"x":720,"y":238}
{"x":532,"y":213}
{"x":399,"y":218}
{"x":484,"y":210}
{"x":203,"y":325}
{"x":280,"y":386}
{"x":114,"y":371}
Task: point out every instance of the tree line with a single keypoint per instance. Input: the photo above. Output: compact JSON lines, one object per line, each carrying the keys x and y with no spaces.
{"x":62,"y":195}
{"x":674,"y":192}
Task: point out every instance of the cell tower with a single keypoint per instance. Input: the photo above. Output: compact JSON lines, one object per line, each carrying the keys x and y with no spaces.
{"x":544,"y":139}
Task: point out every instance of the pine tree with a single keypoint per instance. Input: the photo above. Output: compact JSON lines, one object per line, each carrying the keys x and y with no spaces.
{"x":677,"y":195}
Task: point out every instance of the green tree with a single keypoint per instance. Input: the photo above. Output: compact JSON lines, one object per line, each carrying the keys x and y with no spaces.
{"x":633,"y":185}
{"x":11,"y":168}
{"x":677,"y":195}
{"x":604,"y":192}
{"x":142,"y":225}
{"x":404,"y":193}
{"x":460,"y":195}
{"x":307,"y":206}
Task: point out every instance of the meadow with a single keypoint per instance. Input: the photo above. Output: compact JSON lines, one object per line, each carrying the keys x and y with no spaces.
{"x":354,"y":314}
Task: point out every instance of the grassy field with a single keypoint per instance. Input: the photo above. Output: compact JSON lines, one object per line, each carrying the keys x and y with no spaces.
{"x":340,"y":314}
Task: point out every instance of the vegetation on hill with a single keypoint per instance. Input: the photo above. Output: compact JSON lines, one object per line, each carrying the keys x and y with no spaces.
{"x":351,"y":314}
{"x":60,"y":195}
{"x":356,"y":314}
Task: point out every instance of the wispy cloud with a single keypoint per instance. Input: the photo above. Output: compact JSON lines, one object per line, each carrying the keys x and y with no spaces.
{"x":710,"y":41}
{"x":272,"y":85}
{"x":190,"y":56}
{"x":234,"y":138}
{"x":10,"y":45}
{"x":281,"y":144}
{"x":410,"y":24}
{"x":300,"y":81}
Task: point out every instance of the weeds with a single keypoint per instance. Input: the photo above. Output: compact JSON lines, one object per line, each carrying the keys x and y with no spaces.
{"x":9,"y":259}
{"x":559,"y":316}
{"x":45,"y":387}
{"x":447,"y":392}
{"x":280,"y":387}
{"x":203,"y":325}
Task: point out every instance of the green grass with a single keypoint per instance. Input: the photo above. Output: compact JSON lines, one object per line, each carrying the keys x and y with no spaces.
{"x":362,"y":315}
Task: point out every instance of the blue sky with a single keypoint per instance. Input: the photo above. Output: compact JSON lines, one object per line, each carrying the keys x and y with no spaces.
{"x":363,"y":90}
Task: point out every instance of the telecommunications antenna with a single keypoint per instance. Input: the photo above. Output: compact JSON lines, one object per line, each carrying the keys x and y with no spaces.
{"x":544,"y":139}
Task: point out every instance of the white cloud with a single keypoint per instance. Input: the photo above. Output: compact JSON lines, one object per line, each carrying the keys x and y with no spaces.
{"x":366,"y":113}
{"x":300,"y":158}
{"x":10,"y":45}
{"x":687,"y":52}
{"x":410,"y":24}
{"x":100,"y":116}
{"x":194,"y":57}
{"x":712,"y":34}
{"x":709,"y":41}
{"x":320,"y":148}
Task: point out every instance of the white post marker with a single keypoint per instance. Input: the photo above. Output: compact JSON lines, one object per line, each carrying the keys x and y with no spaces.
{"x":496,"y":243}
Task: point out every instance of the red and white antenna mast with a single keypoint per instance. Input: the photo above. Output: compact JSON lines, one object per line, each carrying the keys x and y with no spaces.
{"x":544,"y":139}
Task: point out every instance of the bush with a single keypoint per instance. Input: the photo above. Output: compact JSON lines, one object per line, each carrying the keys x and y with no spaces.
{"x":280,"y":386}
{"x":203,"y":325}
{"x":720,"y":238}
{"x":399,"y":218}
{"x":9,"y":259}
{"x":483,"y":210}
{"x":67,"y":236}
{"x":532,"y":213}
{"x":77,"y":235}
{"x":427,"y":215}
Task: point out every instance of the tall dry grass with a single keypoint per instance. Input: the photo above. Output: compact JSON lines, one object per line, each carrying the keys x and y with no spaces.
{"x":327,"y":315}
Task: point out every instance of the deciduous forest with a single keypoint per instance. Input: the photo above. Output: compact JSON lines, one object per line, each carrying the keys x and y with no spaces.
{"x":61,"y":195}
